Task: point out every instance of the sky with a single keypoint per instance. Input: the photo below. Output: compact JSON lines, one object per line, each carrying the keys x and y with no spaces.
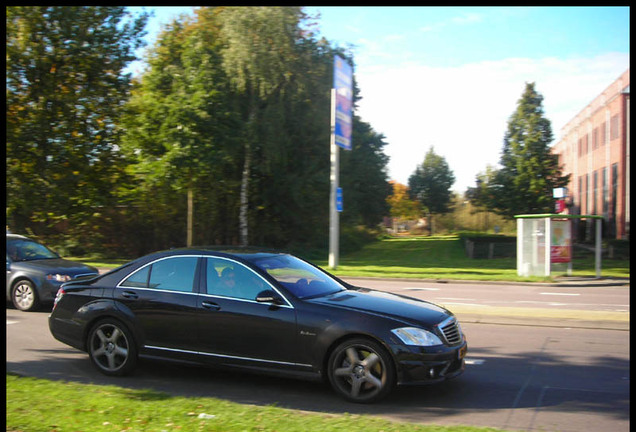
{"x":449,"y":78}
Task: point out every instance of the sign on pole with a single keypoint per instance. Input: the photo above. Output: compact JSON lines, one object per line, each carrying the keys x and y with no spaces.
{"x":342,"y":82}
{"x":339,"y":199}
{"x":341,"y":126}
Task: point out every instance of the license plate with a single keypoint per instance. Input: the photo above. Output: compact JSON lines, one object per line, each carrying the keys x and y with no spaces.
{"x":462,"y":352}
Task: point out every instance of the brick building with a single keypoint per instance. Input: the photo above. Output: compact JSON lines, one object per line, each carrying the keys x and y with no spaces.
{"x":594,"y":149}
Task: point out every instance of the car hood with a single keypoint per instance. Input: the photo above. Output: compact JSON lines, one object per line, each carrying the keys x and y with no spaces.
{"x":58,"y":265}
{"x":406,"y":309}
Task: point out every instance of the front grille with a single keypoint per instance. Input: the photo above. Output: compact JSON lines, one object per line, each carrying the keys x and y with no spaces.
{"x":451,"y":331}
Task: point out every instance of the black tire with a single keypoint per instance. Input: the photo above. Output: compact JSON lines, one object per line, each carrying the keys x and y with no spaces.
{"x":24,"y":296}
{"x":112,"y":348}
{"x":361,"y":371}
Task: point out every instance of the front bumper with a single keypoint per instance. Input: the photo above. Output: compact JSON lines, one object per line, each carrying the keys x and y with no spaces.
{"x":48,"y":290}
{"x":423,"y":365}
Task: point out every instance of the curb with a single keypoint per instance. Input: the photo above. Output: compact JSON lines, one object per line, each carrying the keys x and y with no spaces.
{"x":574,"y":282}
{"x":543,"y":322}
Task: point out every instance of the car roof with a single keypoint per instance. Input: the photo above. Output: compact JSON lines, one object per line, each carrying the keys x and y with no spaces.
{"x":16,"y":237}
{"x":237,"y":251}
{"x":243,"y":253}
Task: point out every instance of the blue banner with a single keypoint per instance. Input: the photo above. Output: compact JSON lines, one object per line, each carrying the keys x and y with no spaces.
{"x":342,"y":82}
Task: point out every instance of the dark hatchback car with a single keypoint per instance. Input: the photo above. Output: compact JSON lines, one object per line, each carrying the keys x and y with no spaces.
{"x":35,"y":272}
{"x":264,"y":311}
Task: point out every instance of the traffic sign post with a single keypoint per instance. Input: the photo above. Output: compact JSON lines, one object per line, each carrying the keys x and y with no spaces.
{"x":341,"y":126}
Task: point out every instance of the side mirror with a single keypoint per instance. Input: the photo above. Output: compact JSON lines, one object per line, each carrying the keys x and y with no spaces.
{"x":269,"y":296}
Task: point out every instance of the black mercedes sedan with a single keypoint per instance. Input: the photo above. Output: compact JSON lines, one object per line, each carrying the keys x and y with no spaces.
{"x":263,"y":311}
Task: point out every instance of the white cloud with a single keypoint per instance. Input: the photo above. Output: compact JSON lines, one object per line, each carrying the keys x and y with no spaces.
{"x":467,"y":18}
{"x":463,"y":111}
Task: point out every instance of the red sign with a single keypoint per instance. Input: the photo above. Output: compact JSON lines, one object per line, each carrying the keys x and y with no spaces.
{"x":560,"y":254}
{"x":560,"y":206}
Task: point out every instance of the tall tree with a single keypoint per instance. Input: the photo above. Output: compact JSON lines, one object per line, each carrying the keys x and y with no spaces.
{"x":400,"y":203}
{"x":481,"y":196}
{"x":65,"y":87}
{"x":364,"y":176}
{"x":431,"y":185}
{"x":180,"y":122}
{"x":529,"y":170}
{"x":259,"y":50}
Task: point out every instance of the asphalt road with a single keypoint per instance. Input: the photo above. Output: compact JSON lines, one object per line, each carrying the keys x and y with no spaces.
{"x":523,"y":372}
{"x":588,"y":304}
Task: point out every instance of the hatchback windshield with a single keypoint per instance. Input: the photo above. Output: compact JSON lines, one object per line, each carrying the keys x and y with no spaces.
{"x":302,"y":279}
{"x":26,"y":250}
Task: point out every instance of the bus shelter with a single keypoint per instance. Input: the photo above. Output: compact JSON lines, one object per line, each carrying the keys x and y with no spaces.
{"x":546,"y":239}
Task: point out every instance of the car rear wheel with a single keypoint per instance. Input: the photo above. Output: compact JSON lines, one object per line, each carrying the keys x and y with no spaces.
{"x":111,"y":348}
{"x":361,"y":371}
{"x":24,"y":296}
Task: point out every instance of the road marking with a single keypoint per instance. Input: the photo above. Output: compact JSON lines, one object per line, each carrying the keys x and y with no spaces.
{"x":11,"y":322}
{"x":560,"y":294}
{"x":476,"y":362}
{"x":421,"y":289}
{"x":455,"y":298}
{"x":463,"y":304}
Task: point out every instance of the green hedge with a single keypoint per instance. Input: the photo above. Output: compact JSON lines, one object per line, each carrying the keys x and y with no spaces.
{"x":488,"y":246}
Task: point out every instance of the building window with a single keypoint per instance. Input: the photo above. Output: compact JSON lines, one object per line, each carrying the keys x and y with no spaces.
{"x":595,"y":192}
{"x":603,"y":133}
{"x":595,"y":139}
{"x":581,"y":195}
{"x":614,"y":128}
{"x":605,"y":194}
{"x":613,"y":201}
{"x":588,"y":191}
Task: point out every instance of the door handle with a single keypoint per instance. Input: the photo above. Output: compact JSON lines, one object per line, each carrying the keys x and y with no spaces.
{"x":210,"y":305}
{"x":130,"y":295}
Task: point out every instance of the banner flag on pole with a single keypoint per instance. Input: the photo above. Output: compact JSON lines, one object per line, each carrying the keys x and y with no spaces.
{"x":342,"y":82}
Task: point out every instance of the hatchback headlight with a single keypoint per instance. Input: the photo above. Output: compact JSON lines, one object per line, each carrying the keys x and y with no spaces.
{"x":58,"y":277}
{"x":416,"y":336}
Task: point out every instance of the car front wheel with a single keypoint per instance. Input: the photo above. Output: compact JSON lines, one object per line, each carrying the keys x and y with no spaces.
{"x":361,"y":371}
{"x":24,"y":296}
{"x":111,"y":348}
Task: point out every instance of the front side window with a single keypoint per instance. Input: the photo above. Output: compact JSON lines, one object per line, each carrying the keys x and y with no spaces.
{"x":230,"y":279}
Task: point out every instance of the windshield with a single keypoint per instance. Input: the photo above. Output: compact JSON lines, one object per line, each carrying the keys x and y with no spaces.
{"x":27,"y":250}
{"x":300,"y":278}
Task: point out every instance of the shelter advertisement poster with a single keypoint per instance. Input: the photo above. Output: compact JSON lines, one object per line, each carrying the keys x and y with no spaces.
{"x":342,"y":82}
{"x":561,"y":242}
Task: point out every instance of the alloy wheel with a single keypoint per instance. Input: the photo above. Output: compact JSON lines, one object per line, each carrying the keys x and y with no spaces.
{"x":24,"y":296}
{"x":361,"y":371}
{"x":111,"y":348}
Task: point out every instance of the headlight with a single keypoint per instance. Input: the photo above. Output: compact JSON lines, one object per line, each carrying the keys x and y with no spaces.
{"x":58,"y":277}
{"x":416,"y":336}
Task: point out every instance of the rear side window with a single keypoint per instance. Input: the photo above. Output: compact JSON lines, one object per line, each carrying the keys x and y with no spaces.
{"x":138,"y":279}
{"x":171,"y":274}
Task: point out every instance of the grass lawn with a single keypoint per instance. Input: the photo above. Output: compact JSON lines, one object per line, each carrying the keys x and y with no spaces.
{"x":443,"y":257}
{"x":56,"y":406}
{"x":435,"y":257}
